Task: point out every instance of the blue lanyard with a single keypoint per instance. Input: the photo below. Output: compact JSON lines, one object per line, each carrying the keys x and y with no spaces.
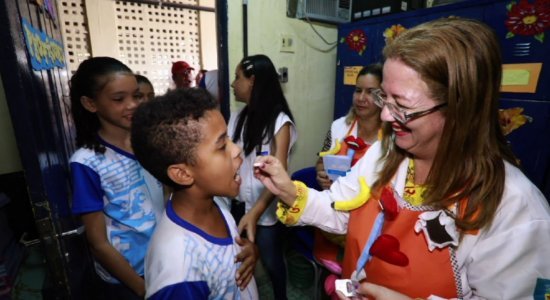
{"x":365,"y":255}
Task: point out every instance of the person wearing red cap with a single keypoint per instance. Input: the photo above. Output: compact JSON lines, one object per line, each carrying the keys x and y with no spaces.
{"x":182,"y":74}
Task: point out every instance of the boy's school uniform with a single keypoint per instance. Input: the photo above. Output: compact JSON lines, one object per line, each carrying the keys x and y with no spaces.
{"x":184,"y":262}
{"x":130,"y":198}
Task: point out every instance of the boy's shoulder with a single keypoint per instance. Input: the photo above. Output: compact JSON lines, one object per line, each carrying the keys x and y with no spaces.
{"x":180,"y":255}
{"x":171,"y":223}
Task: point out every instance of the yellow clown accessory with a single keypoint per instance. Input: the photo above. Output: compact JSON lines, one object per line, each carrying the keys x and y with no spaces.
{"x":357,"y":201}
{"x":332,"y":151}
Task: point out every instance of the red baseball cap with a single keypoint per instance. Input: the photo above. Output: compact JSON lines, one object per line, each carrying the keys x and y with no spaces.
{"x":180,"y":66}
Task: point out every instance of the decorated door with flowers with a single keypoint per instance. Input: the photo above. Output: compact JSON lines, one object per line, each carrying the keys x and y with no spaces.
{"x":523,"y":27}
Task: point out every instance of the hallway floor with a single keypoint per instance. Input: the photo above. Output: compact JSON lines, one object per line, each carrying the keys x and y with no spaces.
{"x":301,"y":277}
{"x":301,"y":280}
{"x":28,"y":284}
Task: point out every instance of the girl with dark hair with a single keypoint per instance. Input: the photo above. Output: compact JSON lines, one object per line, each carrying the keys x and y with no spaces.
{"x":264,"y":126}
{"x":145,"y":87}
{"x":118,"y":201}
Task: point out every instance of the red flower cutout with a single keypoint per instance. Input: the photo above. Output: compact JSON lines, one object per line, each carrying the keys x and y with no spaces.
{"x":529,"y":19}
{"x":356,"y":40}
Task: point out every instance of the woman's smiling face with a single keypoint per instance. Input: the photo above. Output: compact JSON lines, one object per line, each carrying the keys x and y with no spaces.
{"x":404,"y":87}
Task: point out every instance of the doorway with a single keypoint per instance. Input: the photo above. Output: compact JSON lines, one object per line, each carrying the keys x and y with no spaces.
{"x":38,"y":104}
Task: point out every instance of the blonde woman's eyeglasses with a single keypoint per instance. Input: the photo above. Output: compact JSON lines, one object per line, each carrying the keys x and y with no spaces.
{"x":380,"y":99}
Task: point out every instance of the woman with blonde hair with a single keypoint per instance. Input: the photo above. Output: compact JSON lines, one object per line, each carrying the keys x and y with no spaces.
{"x":448,"y":214}
{"x":361,"y":123}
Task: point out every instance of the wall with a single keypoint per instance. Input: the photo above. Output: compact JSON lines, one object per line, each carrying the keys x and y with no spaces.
{"x":149,"y":37}
{"x":9,"y":158}
{"x":102,"y":27}
{"x":311,"y":68}
{"x":208,"y":37}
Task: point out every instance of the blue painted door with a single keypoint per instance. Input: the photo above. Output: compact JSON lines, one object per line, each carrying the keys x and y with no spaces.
{"x":39,"y":108}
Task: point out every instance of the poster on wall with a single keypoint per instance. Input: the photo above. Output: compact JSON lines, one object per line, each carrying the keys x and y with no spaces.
{"x":350,"y":74}
{"x":520,"y":78}
{"x":44,"y":51}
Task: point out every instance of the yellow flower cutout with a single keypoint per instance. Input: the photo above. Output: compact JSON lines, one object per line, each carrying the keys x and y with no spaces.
{"x":391,"y":33}
{"x":512,"y":119}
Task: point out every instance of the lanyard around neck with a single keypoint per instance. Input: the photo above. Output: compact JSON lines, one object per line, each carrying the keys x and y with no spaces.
{"x":365,"y":255}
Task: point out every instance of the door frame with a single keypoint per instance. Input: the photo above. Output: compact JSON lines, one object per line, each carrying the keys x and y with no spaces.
{"x":40,"y":119}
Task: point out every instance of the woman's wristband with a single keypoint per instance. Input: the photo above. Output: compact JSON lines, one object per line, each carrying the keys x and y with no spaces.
{"x":289,"y":215}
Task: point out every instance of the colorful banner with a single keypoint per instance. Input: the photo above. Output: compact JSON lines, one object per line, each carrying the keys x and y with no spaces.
{"x":45,"y":52}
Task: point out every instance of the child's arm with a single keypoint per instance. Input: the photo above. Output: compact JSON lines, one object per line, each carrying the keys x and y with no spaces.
{"x":249,"y":220}
{"x":107,"y":255}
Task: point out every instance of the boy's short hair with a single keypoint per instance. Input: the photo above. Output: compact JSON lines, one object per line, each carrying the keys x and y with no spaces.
{"x":166,"y":132}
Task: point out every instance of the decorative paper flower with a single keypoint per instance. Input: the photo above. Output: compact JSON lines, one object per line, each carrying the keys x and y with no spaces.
{"x":439,"y":229}
{"x":356,"y":41}
{"x":528,"y":19}
{"x":391,"y":33}
{"x":512,"y":119}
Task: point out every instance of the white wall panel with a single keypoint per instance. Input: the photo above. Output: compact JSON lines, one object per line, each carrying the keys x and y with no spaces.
{"x":74,"y":28}
{"x":146,"y":37}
